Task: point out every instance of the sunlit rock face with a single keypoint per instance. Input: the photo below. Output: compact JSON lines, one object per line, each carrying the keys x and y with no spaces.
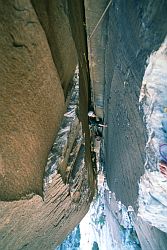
{"x":31,"y":101}
{"x":39,"y":205}
{"x":153,"y":184}
{"x":38,"y":223}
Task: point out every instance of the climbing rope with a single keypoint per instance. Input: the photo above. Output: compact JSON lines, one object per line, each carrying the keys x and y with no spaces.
{"x":103,"y":14}
{"x":90,"y":48}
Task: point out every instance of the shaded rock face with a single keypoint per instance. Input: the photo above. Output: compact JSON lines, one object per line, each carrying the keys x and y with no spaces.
{"x":78,"y":25}
{"x":128,"y":33}
{"x":134,"y":29}
{"x":96,"y":32}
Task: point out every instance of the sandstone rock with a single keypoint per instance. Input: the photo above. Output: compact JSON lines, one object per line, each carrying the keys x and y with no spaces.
{"x":53,"y":16}
{"x":31,"y":100}
{"x":38,"y":58}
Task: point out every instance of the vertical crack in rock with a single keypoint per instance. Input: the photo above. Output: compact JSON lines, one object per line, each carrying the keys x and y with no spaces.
{"x":68,"y":140}
{"x":53,"y":17}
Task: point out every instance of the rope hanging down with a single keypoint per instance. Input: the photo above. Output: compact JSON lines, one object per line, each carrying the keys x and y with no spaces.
{"x":100,"y":20}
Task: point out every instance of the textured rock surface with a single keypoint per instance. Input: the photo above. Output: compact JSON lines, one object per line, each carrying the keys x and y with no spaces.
{"x":53,"y":16}
{"x":135,"y":29}
{"x":37,"y":224}
{"x":63,"y":206}
{"x":38,"y":59}
{"x":77,"y":21}
{"x":128,"y":33}
{"x":33,"y":73}
{"x":126,"y":54}
{"x":96,"y":32}
{"x":31,"y":100}
{"x":150,"y":237}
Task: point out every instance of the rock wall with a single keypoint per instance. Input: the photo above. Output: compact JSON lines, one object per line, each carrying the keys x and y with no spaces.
{"x":31,"y":100}
{"x":135,"y":29}
{"x":125,"y":37}
{"x":53,"y":16}
{"x":38,"y":59}
{"x":96,"y":22}
{"x":78,"y":23}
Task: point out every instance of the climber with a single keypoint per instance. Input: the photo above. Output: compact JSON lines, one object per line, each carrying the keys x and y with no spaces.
{"x":94,"y":120}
